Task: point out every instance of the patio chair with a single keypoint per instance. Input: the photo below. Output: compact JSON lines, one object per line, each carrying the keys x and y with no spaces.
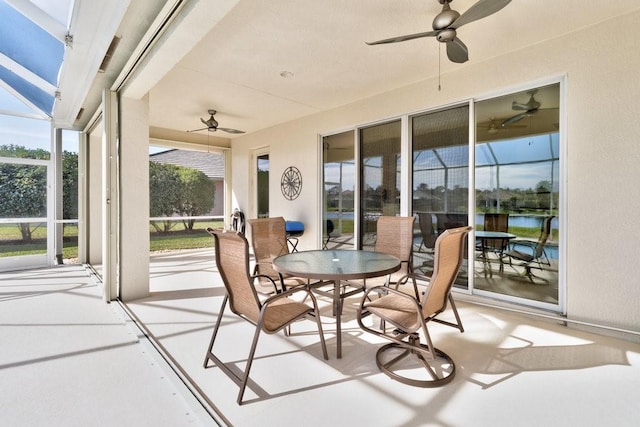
{"x":427,"y":232}
{"x":528,"y":253}
{"x":410,"y":314}
{"x":270,"y":316}
{"x":448,"y":220}
{"x":495,"y":222}
{"x":428,"y":239}
{"x":327,"y":237}
{"x":269,"y":241}
{"x":394,"y":236}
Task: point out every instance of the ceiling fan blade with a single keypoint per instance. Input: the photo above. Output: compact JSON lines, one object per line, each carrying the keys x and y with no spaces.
{"x":481,"y":9}
{"x":204,"y":122}
{"x":457,"y":51}
{"x":404,"y":38}
{"x":518,"y":106}
{"x":514,"y":119}
{"x":234,"y":131}
{"x":198,"y":130}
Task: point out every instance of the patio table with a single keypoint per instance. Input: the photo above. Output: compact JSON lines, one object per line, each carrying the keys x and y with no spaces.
{"x":335,"y":266}
{"x":484,"y":237}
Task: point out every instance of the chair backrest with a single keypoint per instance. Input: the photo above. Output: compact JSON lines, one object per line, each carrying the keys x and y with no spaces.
{"x":545,"y":232}
{"x":232,"y":260}
{"x":448,"y":256}
{"x":496,"y":222}
{"x":450,"y":220}
{"x":394,"y":236}
{"x":425,"y":221}
{"x":269,"y":241}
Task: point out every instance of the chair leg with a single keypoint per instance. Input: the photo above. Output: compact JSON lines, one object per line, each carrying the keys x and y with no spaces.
{"x":458,"y":324}
{"x":455,"y":313}
{"x":316,"y":314}
{"x":252,"y":352}
{"x":215,"y":331}
{"x":424,"y":353}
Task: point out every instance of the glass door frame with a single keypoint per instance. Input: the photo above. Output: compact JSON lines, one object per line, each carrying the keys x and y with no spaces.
{"x":406,"y":184}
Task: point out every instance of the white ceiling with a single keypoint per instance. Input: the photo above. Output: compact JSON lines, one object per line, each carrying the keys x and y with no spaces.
{"x":229,"y":56}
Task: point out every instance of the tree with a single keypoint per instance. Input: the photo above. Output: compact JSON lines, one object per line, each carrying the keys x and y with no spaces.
{"x":69,"y":185}
{"x":164,"y":193}
{"x":23,"y":188}
{"x":197,"y":194}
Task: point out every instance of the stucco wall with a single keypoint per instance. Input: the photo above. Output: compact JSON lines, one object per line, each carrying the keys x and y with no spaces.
{"x":602,"y":155}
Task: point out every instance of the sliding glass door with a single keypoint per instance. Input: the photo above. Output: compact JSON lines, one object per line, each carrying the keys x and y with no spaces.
{"x":494,"y":164}
{"x":517,"y":170}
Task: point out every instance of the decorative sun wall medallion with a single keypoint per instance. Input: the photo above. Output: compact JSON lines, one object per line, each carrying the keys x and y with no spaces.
{"x":291,"y":183}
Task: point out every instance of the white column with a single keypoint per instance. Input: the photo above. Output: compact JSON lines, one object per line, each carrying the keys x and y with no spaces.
{"x":110,"y":195}
{"x":134,"y":198}
{"x":92,"y":179}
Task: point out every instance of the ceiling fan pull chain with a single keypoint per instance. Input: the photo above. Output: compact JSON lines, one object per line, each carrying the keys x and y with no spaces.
{"x":439,"y":61}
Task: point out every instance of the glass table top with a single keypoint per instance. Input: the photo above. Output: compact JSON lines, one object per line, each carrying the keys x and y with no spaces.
{"x":336,"y":264}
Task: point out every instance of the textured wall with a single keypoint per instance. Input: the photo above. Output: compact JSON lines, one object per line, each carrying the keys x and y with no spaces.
{"x":602,"y":154}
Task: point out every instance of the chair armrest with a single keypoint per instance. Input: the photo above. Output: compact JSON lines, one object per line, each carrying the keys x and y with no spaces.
{"x":382,"y":289}
{"x":416,"y":284}
{"x":526,"y":244}
{"x":257,"y":276}
{"x":286,"y":294}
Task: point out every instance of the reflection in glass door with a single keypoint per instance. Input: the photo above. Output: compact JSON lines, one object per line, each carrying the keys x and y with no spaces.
{"x":338,"y":159}
{"x":440,"y":181}
{"x":517,"y":180}
{"x":380,"y":177}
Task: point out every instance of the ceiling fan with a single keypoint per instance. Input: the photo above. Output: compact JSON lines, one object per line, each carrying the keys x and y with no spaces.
{"x":212,"y":125}
{"x":448,"y":21}
{"x":493,"y":126}
{"x":529,"y":108}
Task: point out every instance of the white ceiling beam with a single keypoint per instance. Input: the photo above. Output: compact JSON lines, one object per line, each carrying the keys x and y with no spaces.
{"x":25,"y":101}
{"x":93,"y":26}
{"x":193,"y":23}
{"x":27,"y":75}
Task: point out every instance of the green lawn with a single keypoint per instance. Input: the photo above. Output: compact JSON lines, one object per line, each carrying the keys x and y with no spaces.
{"x":176,"y":239}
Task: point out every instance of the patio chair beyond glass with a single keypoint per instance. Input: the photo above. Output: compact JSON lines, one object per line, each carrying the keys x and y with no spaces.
{"x":528,"y":253}
{"x":270,"y":316}
{"x":494,"y":222}
{"x":409,"y":315}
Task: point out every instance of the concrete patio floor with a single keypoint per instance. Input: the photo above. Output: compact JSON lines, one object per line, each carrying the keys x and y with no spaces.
{"x":67,"y":358}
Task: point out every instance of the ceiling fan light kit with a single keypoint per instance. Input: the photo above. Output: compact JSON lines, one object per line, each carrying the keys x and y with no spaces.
{"x":447,"y":22}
